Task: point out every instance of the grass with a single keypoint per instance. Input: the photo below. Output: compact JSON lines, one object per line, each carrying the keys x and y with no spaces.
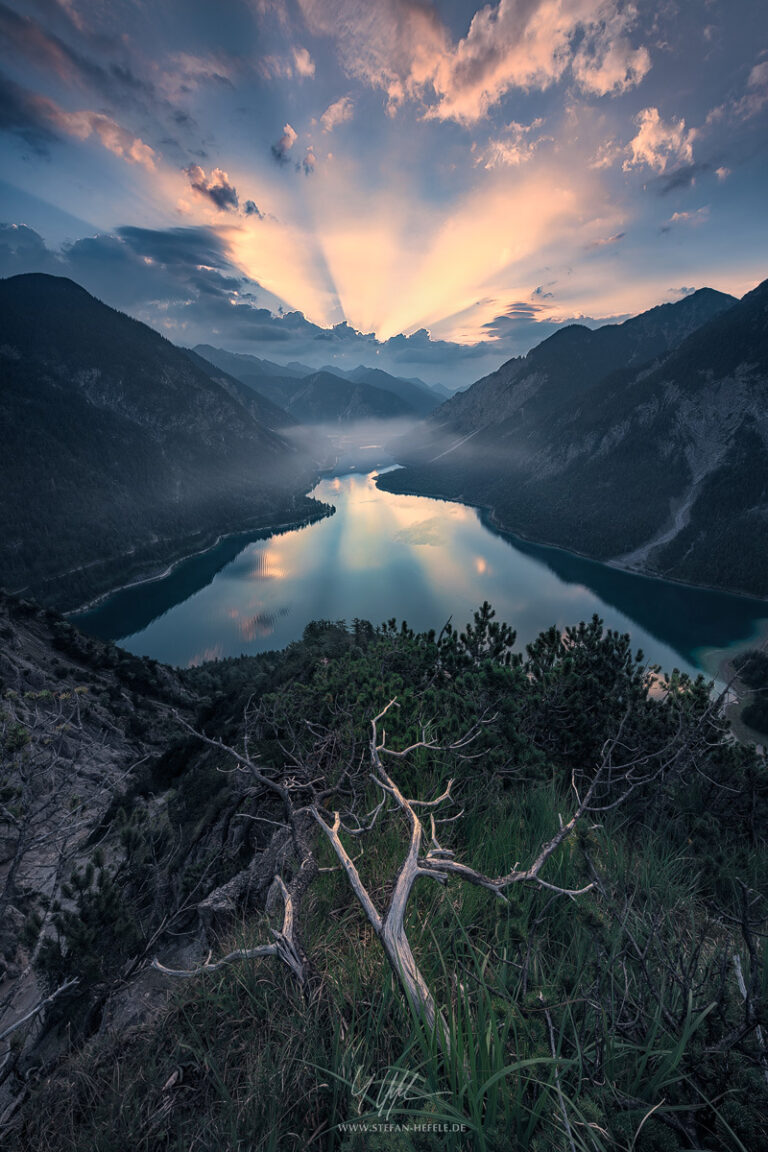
{"x":581,"y":1026}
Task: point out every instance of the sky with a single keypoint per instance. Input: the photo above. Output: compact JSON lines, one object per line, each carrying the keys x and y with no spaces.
{"x":430,"y":188}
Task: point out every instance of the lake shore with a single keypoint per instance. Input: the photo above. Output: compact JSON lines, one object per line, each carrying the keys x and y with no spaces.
{"x":154,"y":572}
{"x":490,"y":518}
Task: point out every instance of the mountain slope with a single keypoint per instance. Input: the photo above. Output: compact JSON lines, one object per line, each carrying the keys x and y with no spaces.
{"x":260,"y":407}
{"x":118,"y":449}
{"x":328,"y":395}
{"x":661,"y":467}
{"x":574,"y":360}
{"x":418,"y":395}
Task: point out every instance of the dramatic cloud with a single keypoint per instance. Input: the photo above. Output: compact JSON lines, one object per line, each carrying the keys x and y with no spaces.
{"x":216,"y":187}
{"x":283,"y":146}
{"x":183,"y":281}
{"x":658,"y":144}
{"x":402,"y":47}
{"x":337,"y":113}
{"x":250,"y":209}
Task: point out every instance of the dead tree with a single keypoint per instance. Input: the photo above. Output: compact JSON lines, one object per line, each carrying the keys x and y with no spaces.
{"x":436,"y":863}
{"x":621,"y":770}
{"x":424,"y":858}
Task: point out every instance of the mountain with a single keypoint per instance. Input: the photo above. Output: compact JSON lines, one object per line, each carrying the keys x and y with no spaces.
{"x":242,"y":364}
{"x":119,"y":451}
{"x":324,"y":396}
{"x":260,"y":407}
{"x":418,"y":395}
{"x":273,"y":380}
{"x":573,"y":360}
{"x":659,"y":463}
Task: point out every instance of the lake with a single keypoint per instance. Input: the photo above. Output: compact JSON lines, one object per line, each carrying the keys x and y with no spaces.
{"x":382,"y":555}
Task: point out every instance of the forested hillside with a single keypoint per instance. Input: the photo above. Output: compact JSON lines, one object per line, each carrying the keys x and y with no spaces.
{"x":662,"y":468}
{"x":118,"y":451}
{"x":498,"y":899}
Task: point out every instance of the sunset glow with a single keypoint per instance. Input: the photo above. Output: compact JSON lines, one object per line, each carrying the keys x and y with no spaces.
{"x":429,"y":186}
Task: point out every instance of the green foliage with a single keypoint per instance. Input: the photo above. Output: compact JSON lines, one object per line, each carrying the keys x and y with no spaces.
{"x":752,"y":668}
{"x":612,"y":1023}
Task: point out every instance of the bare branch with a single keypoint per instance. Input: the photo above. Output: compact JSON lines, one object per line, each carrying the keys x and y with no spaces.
{"x":285,"y":947}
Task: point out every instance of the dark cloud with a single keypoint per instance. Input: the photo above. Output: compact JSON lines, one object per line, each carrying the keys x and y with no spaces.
{"x":216,"y":187}
{"x":250,"y":209}
{"x":22,"y":115}
{"x":680,"y":178}
{"x":23,"y":250}
{"x":177,"y":246}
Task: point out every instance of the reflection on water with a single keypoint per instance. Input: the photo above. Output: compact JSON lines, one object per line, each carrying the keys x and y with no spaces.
{"x":423,"y":560}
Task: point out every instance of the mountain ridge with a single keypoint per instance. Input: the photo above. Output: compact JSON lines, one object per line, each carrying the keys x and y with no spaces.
{"x":661,"y":467}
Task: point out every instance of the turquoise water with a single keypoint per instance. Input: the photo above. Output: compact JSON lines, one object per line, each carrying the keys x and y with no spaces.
{"x":383,"y":555}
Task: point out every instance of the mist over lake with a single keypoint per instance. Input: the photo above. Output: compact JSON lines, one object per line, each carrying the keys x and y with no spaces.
{"x":383,"y":555}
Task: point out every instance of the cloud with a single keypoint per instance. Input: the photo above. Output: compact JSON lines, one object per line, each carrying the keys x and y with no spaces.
{"x":250,"y":209}
{"x":24,"y":250}
{"x":23,"y":37}
{"x":22,"y":116}
{"x":112,"y":136}
{"x":684,"y":177}
{"x":658,"y":144}
{"x":183,"y":281}
{"x":403,"y":48}
{"x":699,"y":216}
{"x":283,"y":146}
{"x":159,"y":270}
{"x":299,"y":64}
{"x":309,"y":162}
{"x":184,"y":72}
{"x":514,"y":146}
{"x":607,"y":241}
{"x":683,"y":291}
{"x":216,"y":187}
{"x":39,"y":121}
{"x":606,"y":63}
{"x":722,"y":172}
{"x":337,"y":113}
{"x":303,"y":63}
{"x":756,"y":96}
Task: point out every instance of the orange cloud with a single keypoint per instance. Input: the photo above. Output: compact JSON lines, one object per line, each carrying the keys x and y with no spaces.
{"x":116,"y":139}
{"x":402,"y":47}
{"x":658,"y":144}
